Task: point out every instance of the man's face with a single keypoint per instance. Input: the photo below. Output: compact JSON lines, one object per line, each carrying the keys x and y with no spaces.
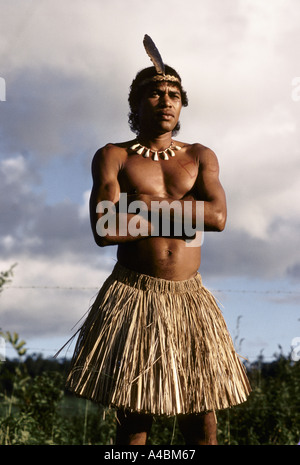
{"x":160,"y":108}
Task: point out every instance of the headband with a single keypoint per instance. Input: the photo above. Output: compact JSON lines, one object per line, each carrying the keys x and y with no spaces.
{"x":156,"y":59}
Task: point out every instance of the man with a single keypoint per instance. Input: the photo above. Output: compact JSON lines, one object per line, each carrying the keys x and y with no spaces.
{"x":155,"y":342}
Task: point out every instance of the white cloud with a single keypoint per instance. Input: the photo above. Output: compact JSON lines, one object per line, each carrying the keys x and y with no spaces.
{"x":84,"y":208}
{"x":68,"y":66}
{"x":13,"y":168}
{"x":48,"y":297}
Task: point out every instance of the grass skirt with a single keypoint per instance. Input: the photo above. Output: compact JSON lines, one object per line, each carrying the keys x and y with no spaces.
{"x":156,"y":346}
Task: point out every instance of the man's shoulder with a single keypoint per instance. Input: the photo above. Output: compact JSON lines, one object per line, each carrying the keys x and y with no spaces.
{"x":199,"y":151}
{"x":112,"y":151}
{"x":113,"y":148}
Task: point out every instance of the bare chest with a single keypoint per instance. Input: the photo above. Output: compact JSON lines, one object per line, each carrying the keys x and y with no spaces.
{"x":174,"y":177}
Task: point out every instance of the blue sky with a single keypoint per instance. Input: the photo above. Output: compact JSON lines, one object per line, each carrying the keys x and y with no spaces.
{"x":67,"y":67}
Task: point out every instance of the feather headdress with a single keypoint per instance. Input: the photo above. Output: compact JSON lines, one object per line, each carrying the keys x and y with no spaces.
{"x":156,"y":59}
{"x":154,"y":54}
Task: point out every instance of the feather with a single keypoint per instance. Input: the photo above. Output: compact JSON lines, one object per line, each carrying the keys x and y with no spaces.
{"x":154,"y":54}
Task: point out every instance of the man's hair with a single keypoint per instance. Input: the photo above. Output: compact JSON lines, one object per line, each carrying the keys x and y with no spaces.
{"x":138,"y":87}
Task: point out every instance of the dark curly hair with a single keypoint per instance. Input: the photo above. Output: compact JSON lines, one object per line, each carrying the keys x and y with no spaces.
{"x":138,"y":88}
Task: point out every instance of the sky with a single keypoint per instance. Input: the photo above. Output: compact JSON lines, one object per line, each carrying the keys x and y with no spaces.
{"x":65,"y":70}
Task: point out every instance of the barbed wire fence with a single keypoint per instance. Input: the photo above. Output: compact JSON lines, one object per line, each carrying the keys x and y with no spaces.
{"x":45,"y":350}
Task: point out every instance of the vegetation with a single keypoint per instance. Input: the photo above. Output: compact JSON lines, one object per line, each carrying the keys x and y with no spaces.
{"x":35,"y":409}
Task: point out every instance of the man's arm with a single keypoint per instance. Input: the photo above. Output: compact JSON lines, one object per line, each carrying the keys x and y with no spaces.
{"x":109,"y":228}
{"x":207,"y":189}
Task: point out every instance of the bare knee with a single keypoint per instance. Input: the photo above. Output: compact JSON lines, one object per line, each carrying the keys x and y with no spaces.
{"x":132,"y":428}
{"x":199,"y":429}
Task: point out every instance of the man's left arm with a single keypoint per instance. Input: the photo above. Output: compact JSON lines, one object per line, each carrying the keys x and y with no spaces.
{"x":207,"y":190}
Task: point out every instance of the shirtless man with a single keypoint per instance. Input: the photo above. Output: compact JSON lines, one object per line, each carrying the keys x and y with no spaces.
{"x":192,"y":174}
{"x":155,"y":341}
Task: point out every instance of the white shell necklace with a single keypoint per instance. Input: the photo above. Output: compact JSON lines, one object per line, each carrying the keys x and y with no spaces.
{"x":164,"y":154}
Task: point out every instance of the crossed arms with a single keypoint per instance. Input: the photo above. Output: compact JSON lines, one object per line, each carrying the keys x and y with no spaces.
{"x":207,"y":190}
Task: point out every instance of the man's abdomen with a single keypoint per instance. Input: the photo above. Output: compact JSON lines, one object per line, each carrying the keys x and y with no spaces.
{"x":164,"y":258}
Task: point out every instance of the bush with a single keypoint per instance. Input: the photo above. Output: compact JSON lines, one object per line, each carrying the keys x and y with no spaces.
{"x":35,"y":409}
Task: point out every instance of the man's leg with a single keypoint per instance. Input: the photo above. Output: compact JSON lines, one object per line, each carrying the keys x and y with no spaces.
{"x":132,"y":428}
{"x":199,"y":429}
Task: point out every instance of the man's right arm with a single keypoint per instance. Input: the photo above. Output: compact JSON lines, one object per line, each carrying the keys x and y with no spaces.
{"x":109,"y":224}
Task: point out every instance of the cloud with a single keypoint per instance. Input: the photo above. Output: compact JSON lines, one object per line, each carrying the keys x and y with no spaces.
{"x":51,"y":115}
{"x":238,"y":253}
{"x":49,"y":297}
{"x":294,"y":271}
{"x":30,"y":225}
{"x":67,"y":68}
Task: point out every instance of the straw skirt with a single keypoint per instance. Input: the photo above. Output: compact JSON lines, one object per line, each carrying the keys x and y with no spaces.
{"x":156,"y":346}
